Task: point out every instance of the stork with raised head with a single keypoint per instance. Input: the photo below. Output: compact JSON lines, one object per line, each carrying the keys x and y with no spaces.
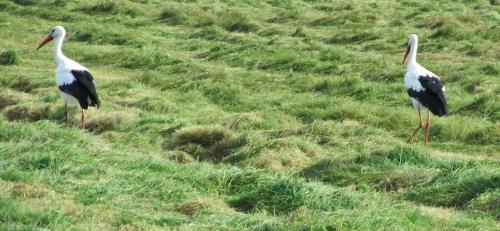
{"x":424,"y":88}
{"x":74,"y":80}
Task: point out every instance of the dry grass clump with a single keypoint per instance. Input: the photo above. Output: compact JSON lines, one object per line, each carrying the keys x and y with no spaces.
{"x":22,"y":84}
{"x":205,"y":136}
{"x":236,"y":21}
{"x":106,"y":122}
{"x":7,"y":100}
{"x":202,"y":204}
{"x":18,"y":112}
{"x":211,"y":143}
{"x":110,"y":7}
{"x":191,"y":207}
{"x":282,"y":154}
{"x":173,"y":16}
{"x":28,"y":190}
{"x":179,"y":157}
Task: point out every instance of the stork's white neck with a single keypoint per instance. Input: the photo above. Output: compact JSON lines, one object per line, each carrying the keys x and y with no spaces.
{"x":58,"y":54}
{"x":412,"y":56}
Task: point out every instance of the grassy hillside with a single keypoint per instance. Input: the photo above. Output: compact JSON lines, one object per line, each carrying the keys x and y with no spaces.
{"x":251,"y":114}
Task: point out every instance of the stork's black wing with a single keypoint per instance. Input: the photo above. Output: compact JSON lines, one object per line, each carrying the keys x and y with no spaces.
{"x":433,"y":96}
{"x":85,"y":89}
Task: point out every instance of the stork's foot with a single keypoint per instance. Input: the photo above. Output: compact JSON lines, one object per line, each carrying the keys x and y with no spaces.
{"x":414,"y":133}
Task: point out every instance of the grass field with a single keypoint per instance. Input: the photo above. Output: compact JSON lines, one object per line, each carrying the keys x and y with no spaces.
{"x":251,"y":114}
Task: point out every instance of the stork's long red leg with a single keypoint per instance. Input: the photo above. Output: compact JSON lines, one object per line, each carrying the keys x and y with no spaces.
{"x":420,"y":125}
{"x":83,"y":118}
{"x":427,"y":127}
{"x":66,"y":114}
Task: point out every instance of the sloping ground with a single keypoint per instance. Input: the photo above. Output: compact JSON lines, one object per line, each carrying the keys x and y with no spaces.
{"x":250,"y":114}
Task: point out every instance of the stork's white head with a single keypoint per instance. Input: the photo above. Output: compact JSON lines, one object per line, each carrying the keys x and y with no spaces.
{"x":412,"y":41}
{"x":56,"y":32}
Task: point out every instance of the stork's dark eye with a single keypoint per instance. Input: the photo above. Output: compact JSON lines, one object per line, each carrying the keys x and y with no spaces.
{"x":52,"y":31}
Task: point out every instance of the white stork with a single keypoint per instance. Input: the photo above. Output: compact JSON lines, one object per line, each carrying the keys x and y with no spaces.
{"x":424,"y":88}
{"x":74,"y":80}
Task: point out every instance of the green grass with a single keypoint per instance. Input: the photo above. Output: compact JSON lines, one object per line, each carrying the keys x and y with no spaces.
{"x":249,"y":115}
{"x":9,"y":57}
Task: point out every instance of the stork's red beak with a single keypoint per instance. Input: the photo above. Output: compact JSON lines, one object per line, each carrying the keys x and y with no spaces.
{"x":406,"y":54}
{"x":45,"y":41}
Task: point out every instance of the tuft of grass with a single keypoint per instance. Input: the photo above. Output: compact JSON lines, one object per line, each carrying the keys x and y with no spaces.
{"x":25,"y":2}
{"x":60,"y":3}
{"x":179,"y":157}
{"x":450,"y":31}
{"x":7,"y":100}
{"x":28,"y":191}
{"x":22,"y":84}
{"x":10,"y":57}
{"x":107,"y":122}
{"x":191,"y":207}
{"x":299,"y":32}
{"x":24,"y":113}
{"x":97,"y":34}
{"x":210,"y":33}
{"x":483,"y":105}
{"x":327,"y":21}
{"x":488,"y":201}
{"x":142,"y":58}
{"x":455,"y":188}
{"x":210,"y":143}
{"x":278,"y":197}
{"x":205,"y":136}
{"x":238,"y":22}
{"x":108,"y":7}
{"x":286,"y":16}
{"x":489,"y":70}
{"x":383,"y":170}
{"x":436,"y":22}
{"x":174,"y":16}
{"x":187,"y":15}
{"x":357,"y":38}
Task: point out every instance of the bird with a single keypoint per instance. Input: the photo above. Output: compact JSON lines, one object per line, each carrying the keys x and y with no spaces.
{"x":75,"y":81}
{"x":424,"y":88}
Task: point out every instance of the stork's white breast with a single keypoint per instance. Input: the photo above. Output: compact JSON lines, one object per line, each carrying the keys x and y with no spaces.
{"x":411,"y":82}
{"x":64,"y":77}
{"x":63,"y":71}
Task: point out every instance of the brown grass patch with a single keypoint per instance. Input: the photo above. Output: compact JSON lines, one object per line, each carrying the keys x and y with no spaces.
{"x":19,"y":113}
{"x":210,"y":143}
{"x":191,"y":207}
{"x":179,"y":157}
{"x":130,"y":227}
{"x":22,"y":84}
{"x":28,"y":190}
{"x":106,"y":122}
{"x":203,"y":204}
{"x":7,"y":100}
